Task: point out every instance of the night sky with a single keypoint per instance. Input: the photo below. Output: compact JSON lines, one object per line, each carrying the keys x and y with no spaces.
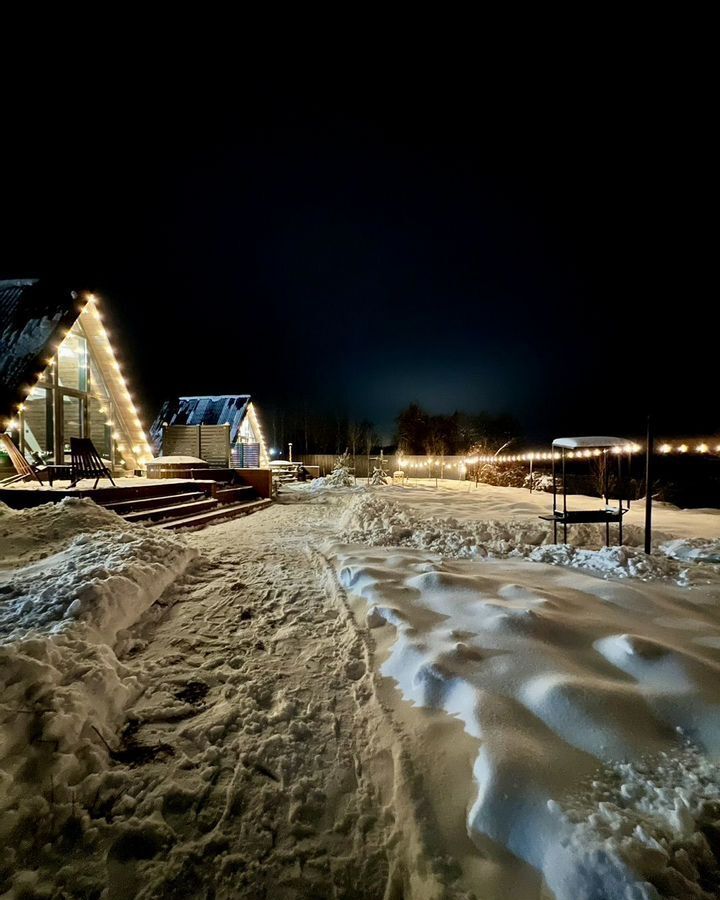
{"x":351,"y":248}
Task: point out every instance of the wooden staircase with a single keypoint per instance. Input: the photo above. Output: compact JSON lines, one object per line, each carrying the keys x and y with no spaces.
{"x":189,"y":504}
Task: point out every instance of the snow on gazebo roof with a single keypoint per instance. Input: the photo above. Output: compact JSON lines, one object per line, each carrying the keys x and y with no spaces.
{"x":594,"y":442}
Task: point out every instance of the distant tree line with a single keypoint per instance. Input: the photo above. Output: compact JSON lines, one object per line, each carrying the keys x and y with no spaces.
{"x":319,"y":432}
{"x":417,"y":432}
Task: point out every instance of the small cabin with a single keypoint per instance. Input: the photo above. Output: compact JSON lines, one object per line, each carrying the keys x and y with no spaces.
{"x":222,"y":430}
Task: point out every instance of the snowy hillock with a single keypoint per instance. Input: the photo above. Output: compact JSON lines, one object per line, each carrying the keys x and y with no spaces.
{"x":73,"y":576}
{"x":594,"y":704}
{"x":377,"y":521}
{"x":340,"y":477}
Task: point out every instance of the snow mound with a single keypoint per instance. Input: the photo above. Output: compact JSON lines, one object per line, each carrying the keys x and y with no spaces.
{"x":554,"y":673}
{"x":655,"y":822}
{"x":72,"y":577}
{"x":693,"y":550}
{"x":33,"y":533}
{"x":374,"y":520}
{"x":338,"y":478}
{"x":613,"y":562}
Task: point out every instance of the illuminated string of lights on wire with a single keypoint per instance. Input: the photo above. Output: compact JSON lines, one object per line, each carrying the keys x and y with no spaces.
{"x":140,"y":447}
{"x":678,"y":448}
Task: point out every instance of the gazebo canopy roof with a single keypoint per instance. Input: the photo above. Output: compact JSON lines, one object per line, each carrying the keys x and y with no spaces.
{"x":592,"y":442}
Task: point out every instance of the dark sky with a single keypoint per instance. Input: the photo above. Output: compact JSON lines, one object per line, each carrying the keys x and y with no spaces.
{"x":542,"y":248}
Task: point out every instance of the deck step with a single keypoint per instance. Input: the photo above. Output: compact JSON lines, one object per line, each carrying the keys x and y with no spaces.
{"x":222,"y":512}
{"x":175,"y":509}
{"x":235,"y":493}
{"x":141,"y":503}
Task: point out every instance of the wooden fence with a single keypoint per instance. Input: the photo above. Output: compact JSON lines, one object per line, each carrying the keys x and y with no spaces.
{"x":413,"y":466}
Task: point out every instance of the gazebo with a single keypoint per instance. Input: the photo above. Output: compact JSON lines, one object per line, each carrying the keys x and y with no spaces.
{"x":590,"y":448}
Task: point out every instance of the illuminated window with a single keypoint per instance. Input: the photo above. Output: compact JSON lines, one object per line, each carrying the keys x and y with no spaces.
{"x":38,"y":424}
{"x":73,"y":362}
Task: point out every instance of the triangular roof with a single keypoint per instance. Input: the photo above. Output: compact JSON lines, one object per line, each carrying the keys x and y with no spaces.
{"x":33,"y":315}
{"x":225,"y":409}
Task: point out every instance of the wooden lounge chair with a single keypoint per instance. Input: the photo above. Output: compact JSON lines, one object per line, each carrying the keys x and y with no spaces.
{"x":21,"y":465}
{"x":85,"y":462}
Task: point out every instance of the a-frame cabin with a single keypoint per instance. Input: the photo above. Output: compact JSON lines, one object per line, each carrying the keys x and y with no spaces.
{"x":60,"y":378}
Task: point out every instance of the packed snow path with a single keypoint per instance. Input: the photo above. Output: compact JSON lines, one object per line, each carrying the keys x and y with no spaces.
{"x":256,"y":760}
{"x":255,"y":684}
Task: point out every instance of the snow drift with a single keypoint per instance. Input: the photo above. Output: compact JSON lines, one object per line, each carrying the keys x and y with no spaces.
{"x":595,"y":706}
{"x":377,"y":521}
{"x":72,"y":576}
{"x":594,"y":701}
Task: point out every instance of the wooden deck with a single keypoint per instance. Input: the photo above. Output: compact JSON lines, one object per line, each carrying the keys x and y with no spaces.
{"x":191,"y":503}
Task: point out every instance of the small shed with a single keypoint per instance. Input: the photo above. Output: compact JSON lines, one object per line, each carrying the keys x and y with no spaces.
{"x":223,"y":430}
{"x":588,"y":448}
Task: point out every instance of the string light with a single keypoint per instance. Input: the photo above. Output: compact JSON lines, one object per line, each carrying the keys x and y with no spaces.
{"x":665,"y":448}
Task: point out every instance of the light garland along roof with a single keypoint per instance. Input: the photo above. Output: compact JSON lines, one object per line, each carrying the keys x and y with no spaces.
{"x":35,"y":318}
{"x":129,"y":427}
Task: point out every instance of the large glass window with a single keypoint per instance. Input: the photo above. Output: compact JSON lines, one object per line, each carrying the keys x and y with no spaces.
{"x":72,"y":420}
{"x":99,"y":429}
{"x":73,"y":362}
{"x":38,"y":424}
{"x":97,"y":384}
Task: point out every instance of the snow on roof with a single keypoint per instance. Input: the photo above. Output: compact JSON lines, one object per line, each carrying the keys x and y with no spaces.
{"x":32,"y":313}
{"x":573,"y":443}
{"x":223,"y":409}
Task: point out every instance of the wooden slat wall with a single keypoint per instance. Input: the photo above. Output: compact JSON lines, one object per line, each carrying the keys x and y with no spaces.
{"x":208,"y":442}
{"x":181,"y":440}
{"x":215,"y":444}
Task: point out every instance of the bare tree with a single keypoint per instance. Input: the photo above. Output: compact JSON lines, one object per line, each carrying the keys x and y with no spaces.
{"x":370,"y":439}
{"x":355,"y":437}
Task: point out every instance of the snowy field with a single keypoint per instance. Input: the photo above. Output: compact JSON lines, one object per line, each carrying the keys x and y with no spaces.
{"x":361,"y":692}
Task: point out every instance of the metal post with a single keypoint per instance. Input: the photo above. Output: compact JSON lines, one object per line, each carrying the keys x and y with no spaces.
{"x":531,"y":460}
{"x":648,"y":484}
{"x":554,"y":478}
{"x":564,"y":480}
{"x":290,"y":452}
{"x":606,"y":490}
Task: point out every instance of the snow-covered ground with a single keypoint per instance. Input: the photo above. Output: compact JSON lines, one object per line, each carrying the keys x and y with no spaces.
{"x":385,"y":692}
{"x":593,"y":702}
